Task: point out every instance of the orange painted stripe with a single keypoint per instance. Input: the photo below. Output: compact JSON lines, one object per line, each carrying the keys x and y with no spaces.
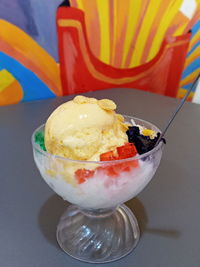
{"x":194,"y":19}
{"x":74,"y":3}
{"x":164,"y":24}
{"x":92,"y":26}
{"x":153,"y":31}
{"x":111,"y":14}
{"x":194,"y":40}
{"x":182,"y":92}
{"x":177,"y":22}
{"x":120,"y":46}
{"x":190,"y":78}
{"x":192,"y":57}
{"x":12,"y":94}
{"x":21,"y":58}
{"x":136,"y":33}
{"x":21,"y":46}
{"x":120,"y":31}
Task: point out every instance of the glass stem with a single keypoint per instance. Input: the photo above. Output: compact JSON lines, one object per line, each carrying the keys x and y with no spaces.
{"x":98,"y":213}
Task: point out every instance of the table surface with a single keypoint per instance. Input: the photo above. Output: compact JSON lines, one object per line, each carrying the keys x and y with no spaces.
{"x":167,"y":209}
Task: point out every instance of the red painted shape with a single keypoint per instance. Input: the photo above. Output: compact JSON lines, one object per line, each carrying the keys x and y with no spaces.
{"x":160,"y":75}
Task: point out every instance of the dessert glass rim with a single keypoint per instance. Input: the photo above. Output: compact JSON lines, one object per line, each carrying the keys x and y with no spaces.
{"x":47,"y":154}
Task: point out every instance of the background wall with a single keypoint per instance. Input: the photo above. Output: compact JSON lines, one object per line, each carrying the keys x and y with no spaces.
{"x":141,"y":33}
{"x":36,"y":18}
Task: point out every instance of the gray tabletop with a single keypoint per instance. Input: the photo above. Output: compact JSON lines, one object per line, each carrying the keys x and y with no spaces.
{"x":167,"y":209}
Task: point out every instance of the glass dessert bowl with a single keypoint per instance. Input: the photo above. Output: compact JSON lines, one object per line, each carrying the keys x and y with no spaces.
{"x":98,"y":227}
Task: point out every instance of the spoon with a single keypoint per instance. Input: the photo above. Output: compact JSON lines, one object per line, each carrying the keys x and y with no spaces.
{"x":177,"y":110}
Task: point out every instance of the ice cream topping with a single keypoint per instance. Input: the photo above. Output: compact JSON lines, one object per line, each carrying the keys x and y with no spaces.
{"x":84,"y":128}
{"x":144,"y":141}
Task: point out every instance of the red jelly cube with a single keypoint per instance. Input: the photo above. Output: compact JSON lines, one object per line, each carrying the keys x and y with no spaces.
{"x":83,"y":174}
{"x":107,"y":156}
{"x":115,"y":169}
{"x":126,"y":151}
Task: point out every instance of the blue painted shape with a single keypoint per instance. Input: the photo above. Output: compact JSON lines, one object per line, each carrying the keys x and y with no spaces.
{"x":196,"y":28}
{"x":191,"y":68}
{"x":193,"y":48}
{"x":32,"y":86}
{"x":187,"y":87}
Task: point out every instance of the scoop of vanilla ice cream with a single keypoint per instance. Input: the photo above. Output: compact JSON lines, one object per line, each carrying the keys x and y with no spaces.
{"x":84,"y":128}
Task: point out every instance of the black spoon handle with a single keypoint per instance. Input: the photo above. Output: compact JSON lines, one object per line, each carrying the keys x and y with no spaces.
{"x":178,"y":108}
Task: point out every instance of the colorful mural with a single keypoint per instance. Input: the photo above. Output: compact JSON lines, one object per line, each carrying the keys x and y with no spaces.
{"x":121,"y":44}
{"x":26,"y":62}
{"x":129,"y":34}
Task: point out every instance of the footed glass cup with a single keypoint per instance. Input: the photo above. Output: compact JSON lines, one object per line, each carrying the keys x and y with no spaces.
{"x":98,"y":227}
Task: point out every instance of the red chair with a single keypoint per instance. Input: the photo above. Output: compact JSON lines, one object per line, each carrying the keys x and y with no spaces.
{"x":81,"y":71}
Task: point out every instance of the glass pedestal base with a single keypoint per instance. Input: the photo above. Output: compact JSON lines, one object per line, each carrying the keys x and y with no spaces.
{"x":98,"y":236}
